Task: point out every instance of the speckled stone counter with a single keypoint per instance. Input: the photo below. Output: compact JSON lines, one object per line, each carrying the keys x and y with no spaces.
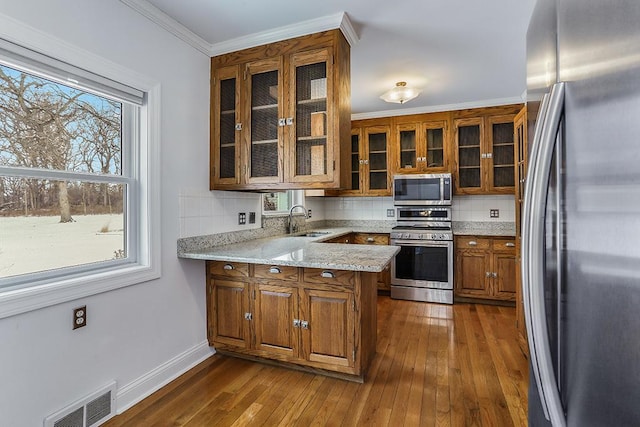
{"x":300,"y":251}
{"x":484,"y":228}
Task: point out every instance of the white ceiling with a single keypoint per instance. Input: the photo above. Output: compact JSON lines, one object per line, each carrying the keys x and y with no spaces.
{"x":462,"y":53}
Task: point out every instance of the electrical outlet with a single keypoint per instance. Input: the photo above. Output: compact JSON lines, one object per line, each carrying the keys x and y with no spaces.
{"x":252,"y":217}
{"x":79,"y":317}
{"x":242,"y":218}
{"x":309,"y":213}
{"x":494,"y":213}
{"x":390,"y":213}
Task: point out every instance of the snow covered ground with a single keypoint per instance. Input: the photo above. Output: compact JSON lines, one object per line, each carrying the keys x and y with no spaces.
{"x":29,"y":244}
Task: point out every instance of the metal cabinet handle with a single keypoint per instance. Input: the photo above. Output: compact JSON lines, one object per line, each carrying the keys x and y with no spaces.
{"x":248,"y":316}
{"x":274,"y":270}
{"x":228,"y":267}
{"x":533,"y":252}
{"x":510,"y":245}
{"x":473,"y":243}
{"x":328,"y":274}
{"x":282,"y":122}
{"x":304,"y":324}
{"x":289,"y":121}
{"x":296,"y":323}
{"x":494,"y":275}
{"x":370,"y":239}
{"x":487,"y":274}
{"x":238,"y":126}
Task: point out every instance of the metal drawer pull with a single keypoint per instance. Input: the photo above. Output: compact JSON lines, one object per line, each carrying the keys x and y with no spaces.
{"x":510,"y":245}
{"x":248,"y":316}
{"x":304,"y":324}
{"x":473,"y":243}
{"x":370,"y":239}
{"x":328,"y":274}
{"x":488,"y":274}
{"x":228,"y":267}
{"x":296,"y":323}
{"x":274,"y":270}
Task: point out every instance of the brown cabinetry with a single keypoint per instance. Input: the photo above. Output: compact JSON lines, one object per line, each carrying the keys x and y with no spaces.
{"x":384,"y":277}
{"x":421,"y":143}
{"x":317,"y":318}
{"x":369,"y":166}
{"x":520,"y":138}
{"x":280,"y":114}
{"x":484,"y":150}
{"x":485,"y":267}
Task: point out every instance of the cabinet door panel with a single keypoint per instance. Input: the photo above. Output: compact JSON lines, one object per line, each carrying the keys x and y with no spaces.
{"x":225,"y":127}
{"x":274,"y":313}
{"x":328,"y":338}
{"x":471,"y":273}
{"x":505,"y":280}
{"x":310,"y":151}
{"x":502,"y":160}
{"x":376,"y":148}
{"x":435,"y":134}
{"x":468,"y":153}
{"x":265,"y":146}
{"x":227,"y":308}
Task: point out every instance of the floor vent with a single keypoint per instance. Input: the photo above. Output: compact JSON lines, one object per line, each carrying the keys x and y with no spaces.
{"x":90,"y":411}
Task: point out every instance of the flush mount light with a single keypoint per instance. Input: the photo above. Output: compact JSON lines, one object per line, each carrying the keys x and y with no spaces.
{"x":400,"y":94}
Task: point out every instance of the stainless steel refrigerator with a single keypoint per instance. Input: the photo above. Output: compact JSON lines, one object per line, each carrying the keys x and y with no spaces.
{"x":581,"y":214}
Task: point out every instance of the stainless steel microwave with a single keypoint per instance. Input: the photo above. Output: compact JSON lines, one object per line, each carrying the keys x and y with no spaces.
{"x":422,"y":190}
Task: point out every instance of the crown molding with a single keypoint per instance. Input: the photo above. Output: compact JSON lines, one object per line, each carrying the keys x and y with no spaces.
{"x":339,"y":20}
{"x":157,"y":16}
{"x":437,"y":108}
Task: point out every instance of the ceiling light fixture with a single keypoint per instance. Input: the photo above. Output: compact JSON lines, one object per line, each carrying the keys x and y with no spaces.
{"x":400,"y":94}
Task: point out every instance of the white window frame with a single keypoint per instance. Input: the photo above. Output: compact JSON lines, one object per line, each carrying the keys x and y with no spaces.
{"x":143,"y":218}
{"x":296,"y":197}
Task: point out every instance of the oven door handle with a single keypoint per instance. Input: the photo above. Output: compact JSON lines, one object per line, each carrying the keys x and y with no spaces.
{"x":425,"y":243}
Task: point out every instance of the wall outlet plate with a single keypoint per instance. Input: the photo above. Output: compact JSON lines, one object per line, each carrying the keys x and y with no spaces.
{"x":494,"y":213}
{"x":309,"y":213}
{"x":79,"y":317}
{"x":390,"y":213}
{"x":242,"y":218}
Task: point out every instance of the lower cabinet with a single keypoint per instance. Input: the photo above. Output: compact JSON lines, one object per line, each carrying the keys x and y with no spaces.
{"x":384,"y":277}
{"x":485,"y":267}
{"x":320,"y":319}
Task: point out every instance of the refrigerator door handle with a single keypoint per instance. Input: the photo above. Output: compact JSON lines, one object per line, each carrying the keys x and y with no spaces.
{"x":533,"y":248}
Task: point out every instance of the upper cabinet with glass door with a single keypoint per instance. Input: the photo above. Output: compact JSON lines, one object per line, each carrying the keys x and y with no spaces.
{"x":422,"y":143}
{"x":484,"y":150}
{"x":292,"y":113}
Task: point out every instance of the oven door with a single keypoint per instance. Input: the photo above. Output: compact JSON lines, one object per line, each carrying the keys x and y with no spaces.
{"x":423,"y":264}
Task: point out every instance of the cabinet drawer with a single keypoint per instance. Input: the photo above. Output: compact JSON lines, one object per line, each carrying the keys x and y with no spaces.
{"x":471,"y":242}
{"x":333,"y":277}
{"x":504,"y":245}
{"x":276,"y":272}
{"x":371,"y":239}
{"x":229,"y":269}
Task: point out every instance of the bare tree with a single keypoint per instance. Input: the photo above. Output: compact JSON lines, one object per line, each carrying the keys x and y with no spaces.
{"x":37,"y":128}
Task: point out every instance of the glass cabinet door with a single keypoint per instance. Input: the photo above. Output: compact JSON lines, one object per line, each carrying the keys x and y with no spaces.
{"x":310,"y":151}
{"x":226,"y":127}
{"x":468,"y":138}
{"x":376,"y":165}
{"x":407,"y":135}
{"x":265,"y":148}
{"x":435,"y":135}
{"x":355,"y":159}
{"x":503,"y":159}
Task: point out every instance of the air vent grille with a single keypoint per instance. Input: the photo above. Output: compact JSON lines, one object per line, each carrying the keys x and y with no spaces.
{"x":74,"y":419}
{"x":90,"y":411}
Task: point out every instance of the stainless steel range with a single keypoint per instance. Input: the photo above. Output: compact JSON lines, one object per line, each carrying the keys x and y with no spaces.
{"x":423,"y":269}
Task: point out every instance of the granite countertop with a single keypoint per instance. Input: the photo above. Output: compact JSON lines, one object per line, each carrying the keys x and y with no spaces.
{"x":302,"y":251}
{"x":484,"y":228}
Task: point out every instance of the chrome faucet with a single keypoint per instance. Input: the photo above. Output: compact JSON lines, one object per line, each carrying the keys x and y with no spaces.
{"x":292,"y":227}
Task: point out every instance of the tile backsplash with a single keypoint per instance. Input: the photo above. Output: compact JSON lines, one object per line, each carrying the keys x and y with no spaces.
{"x":204,"y":212}
{"x":358,"y":208}
{"x":477,"y":208}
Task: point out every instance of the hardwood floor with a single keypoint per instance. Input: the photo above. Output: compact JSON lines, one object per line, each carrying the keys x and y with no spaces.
{"x":436,"y":365}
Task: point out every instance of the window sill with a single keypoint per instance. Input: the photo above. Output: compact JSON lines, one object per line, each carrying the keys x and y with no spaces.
{"x":48,"y":293}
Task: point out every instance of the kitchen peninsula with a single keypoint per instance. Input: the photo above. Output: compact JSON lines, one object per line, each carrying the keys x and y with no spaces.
{"x":295,"y":301}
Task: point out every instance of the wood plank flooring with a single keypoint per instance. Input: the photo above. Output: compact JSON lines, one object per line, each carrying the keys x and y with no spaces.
{"x":436,"y":365}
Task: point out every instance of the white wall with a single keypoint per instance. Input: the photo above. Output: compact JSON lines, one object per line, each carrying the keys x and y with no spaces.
{"x":140,"y":335}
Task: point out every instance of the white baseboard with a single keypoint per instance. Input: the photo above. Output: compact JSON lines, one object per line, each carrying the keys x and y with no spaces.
{"x":142,"y":387}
